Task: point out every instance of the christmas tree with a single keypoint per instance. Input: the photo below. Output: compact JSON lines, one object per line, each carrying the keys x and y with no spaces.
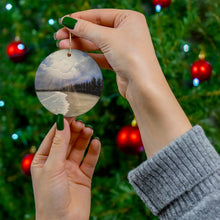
{"x":183,"y":32}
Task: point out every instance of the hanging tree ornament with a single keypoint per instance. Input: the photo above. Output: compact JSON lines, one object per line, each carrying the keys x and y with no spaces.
{"x":162,"y":3}
{"x":129,"y":139}
{"x":201,"y":70}
{"x":68,"y":82}
{"x":27,"y":160}
{"x":17,"y":51}
{"x":26,"y":164}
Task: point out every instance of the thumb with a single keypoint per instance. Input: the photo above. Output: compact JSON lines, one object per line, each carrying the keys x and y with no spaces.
{"x":85,"y":29}
{"x":59,"y":145}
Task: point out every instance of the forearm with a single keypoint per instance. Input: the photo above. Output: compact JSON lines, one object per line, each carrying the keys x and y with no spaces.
{"x":159,"y":116}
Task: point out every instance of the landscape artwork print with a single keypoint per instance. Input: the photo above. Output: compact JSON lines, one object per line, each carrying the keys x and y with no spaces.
{"x":68,"y":85}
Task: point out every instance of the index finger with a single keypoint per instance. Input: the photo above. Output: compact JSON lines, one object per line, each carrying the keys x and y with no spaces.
{"x":105,"y":17}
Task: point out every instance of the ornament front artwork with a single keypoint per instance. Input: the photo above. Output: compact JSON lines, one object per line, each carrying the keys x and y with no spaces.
{"x":68,"y":85}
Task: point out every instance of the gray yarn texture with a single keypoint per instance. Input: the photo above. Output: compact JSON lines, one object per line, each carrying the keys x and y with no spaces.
{"x":182,"y":181}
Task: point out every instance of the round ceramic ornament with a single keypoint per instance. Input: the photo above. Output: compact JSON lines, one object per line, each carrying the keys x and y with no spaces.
{"x":68,"y":82}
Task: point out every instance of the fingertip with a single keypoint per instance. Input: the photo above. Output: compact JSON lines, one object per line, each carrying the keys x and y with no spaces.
{"x":58,"y":44}
{"x":79,"y":123}
{"x":96,"y":145}
{"x":88,"y":130}
{"x":79,"y":119}
{"x":60,"y":122}
{"x":54,"y":36}
{"x":68,"y":22}
{"x":97,"y":138}
{"x":65,"y":132}
{"x":89,"y":126}
{"x":77,"y":126}
{"x":60,"y":20}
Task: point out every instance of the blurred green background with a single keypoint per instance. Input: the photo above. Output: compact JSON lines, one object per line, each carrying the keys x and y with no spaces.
{"x":192,"y":22}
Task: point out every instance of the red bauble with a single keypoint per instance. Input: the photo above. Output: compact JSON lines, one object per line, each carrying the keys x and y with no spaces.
{"x":162,"y":3}
{"x":129,"y":140}
{"x":17,"y":51}
{"x":202,"y":70}
{"x":26,"y":164}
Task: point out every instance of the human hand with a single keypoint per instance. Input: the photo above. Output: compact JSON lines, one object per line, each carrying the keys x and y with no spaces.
{"x":121,"y":35}
{"x":61,"y":178}
{"x":124,"y":39}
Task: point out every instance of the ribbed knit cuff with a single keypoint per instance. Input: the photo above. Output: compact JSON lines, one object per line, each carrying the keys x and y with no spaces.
{"x":179,"y":175}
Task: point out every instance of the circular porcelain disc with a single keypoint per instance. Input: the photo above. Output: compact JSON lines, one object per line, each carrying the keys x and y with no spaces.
{"x":68,"y":85}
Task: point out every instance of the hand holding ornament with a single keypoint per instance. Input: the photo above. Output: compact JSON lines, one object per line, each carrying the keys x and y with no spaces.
{"x":123,"y":38}
{"x":61,"y":180}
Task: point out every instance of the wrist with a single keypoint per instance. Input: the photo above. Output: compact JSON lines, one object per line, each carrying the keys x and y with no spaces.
{"x":46,"y":217}
{"x":62,"y":216}
{"x":144,"y":73}
{"x":147,"y":81}
{"x":159,"y":115}
{"x":42,"y":215}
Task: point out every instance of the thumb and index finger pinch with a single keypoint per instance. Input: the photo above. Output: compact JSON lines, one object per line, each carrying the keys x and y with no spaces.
{"x":91,"y":24}
{"x":104,"y":17}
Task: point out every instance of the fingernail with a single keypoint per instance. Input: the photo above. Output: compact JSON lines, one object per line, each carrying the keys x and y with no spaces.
{"x":97,"y":138}
{"x":54,"y":36}
{"x":60,"y":20}
{"x":60,"y":122}
{"x":69,"y":22}
{"x":80,"y":120}
{"x":90,"y":126}
{"x":57,"y":43}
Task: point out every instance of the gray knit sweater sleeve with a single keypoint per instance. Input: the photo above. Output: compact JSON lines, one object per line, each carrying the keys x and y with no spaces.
{"x":182,"y":181}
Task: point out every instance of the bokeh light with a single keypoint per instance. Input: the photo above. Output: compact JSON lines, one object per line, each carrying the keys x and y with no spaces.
{"x":195,"y":82}
{"x":51,"y":21}
{"x":2,"y":103}
{"x":8,"y":6}
{"x":186,"y":48}
{"x":158,"y":8}
{"x":14,"y":136}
